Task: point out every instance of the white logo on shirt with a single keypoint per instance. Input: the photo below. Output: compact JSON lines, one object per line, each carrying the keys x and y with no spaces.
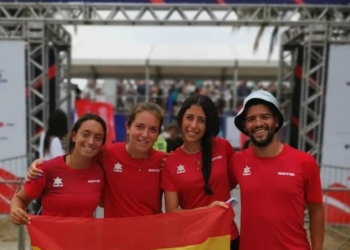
{"x":57,"y":182}
{"x":154,"y":170}
{"x":94,"y":181}
{"x":181,"y":169}
{"x":286,"y":174}
{"x":246,"y":171}
{"x":118,"y":168}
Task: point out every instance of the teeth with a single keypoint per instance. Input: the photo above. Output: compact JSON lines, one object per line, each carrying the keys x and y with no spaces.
{"x":143,"y":142}
{"x":90,"y":149}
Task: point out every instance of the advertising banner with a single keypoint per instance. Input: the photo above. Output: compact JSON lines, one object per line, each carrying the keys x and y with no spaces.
{"x":12,"y":100}
{"x":13,"y":133}
{"x":335,"y":169}
{"x":105,"y":110}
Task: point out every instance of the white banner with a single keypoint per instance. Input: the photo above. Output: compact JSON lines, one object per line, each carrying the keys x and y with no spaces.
{"x":13,"y":131}
{"x":336,"y":135}
{"x":233,"y":135}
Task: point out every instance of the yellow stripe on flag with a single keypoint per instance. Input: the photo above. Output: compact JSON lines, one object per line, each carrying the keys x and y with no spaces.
{"x":213,"y":243}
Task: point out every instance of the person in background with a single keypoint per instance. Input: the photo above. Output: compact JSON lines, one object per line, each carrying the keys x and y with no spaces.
{"x":277,"y":183}
{"x":160,"y":144}
{"x":65,"y":188}
{"x":195,"y":175}
{"x":173,"y":139}
{"x":51,"y":141}
{"x":132,"y":168}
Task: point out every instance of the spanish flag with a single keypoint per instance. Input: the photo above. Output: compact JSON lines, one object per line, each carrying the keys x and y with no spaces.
{"x":207,"y":229}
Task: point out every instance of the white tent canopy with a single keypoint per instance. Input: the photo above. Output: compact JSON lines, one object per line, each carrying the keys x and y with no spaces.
{"x":175,"y":61}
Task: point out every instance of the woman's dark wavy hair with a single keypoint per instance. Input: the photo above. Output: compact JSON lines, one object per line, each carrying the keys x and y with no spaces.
{"x":57,"y":127}
{"x":212,"y":123}
{"x":80,"y":121}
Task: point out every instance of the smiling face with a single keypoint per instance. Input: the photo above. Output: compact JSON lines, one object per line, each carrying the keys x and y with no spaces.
{"x":193,"y":124}
{"x":143,"y":131}
{"x":260,"y":125}
{"x":89,"y":138}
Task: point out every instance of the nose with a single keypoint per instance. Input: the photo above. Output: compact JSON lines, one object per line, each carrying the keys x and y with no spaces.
{"x":145,"y":133}
{"x":193,"y":124}
{"x":90,"y":140}
{"x":258,"y":122}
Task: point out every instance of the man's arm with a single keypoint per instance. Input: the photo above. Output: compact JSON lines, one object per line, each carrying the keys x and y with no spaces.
{"x":316,"y":214}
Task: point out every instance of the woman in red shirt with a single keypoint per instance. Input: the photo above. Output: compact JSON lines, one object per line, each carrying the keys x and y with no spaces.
{"x":196,"y":174}
{"x":133,"y":167}
{"x":71,"y":185}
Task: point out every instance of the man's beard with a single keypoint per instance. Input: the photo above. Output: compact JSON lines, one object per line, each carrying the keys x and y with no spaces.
{"x":265,"y":142}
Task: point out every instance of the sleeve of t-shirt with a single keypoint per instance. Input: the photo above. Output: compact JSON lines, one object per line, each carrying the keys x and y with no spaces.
{"x":231,"y":171}
{"x":167,"y":182}
{"x":228,"y":148}
{"x":36,"y":187}
{"x":56,"y":148}
{"x":313,"y":182}
{"x":230,"y":153}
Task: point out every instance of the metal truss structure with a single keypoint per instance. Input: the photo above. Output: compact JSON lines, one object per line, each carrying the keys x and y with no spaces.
{"x":170,"y":14}
{"x":315,"y":41}
{"x":40,"y":37}
{"x":41,"y":26}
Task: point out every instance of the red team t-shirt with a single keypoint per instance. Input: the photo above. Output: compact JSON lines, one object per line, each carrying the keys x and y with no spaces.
{"x":274,"y":195}
{"x":182,"y":174}
{"x":133,"y":185}
{"x":67,"y":192}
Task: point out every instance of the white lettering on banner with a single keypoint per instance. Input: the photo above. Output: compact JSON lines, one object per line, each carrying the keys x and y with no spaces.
{"x":13,"y":132}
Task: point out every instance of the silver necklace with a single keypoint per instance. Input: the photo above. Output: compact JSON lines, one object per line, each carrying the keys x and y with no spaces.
{"x":191,"y":153}
{"x":144,"y":158}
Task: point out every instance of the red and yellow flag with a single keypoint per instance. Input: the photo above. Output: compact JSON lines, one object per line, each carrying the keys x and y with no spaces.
{"x":207,"y":229}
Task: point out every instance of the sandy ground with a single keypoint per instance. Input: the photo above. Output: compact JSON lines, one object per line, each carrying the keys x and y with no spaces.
{"x":9,"y":233}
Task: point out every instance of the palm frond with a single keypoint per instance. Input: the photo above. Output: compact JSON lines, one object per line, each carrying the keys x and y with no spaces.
{"x":274,"y":36}
{"x":75,"y":29}
{"x":273,"y":41}
{"x":258,"y":37}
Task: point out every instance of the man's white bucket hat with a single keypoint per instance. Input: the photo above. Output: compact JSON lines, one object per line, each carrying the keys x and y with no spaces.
{"x":259,"y":96}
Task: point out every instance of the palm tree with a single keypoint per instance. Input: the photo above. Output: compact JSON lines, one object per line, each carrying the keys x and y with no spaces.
{"x":274,"y":35}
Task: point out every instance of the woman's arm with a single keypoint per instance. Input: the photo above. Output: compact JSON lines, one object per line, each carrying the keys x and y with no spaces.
{"x":172,"y":203}
{"x":19,"y":204}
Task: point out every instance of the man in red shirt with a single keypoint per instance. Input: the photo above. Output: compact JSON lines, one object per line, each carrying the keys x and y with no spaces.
{"x":277,"y":183}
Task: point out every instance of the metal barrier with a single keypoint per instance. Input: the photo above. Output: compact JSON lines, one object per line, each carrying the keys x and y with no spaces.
{"x":336,"y":198}
{"x":11,"y":172}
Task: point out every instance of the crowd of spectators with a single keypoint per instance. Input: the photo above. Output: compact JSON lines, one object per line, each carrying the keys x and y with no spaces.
{"x":130,"y":92}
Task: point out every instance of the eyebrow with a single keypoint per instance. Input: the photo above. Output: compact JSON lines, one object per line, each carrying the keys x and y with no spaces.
{"x":140,"y":123}
{"x":89,"y":131}
{"x":194,"y":115}
{"x":258,"y":115}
